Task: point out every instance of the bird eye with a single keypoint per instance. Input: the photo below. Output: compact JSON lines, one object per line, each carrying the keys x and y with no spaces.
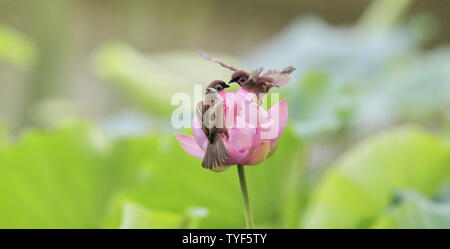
{"x":242,"y":79}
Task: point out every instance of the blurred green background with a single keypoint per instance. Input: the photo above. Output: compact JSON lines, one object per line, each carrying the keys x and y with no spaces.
{"x":85,"y":134}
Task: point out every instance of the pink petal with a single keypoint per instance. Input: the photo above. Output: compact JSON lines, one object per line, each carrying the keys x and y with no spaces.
{"x":225,"y":94}
{"x":263,"y":115}
{"x":239,"y":144}
{"x":279,"y":114}
{"x":228,"y":98}
{"x":259,"y":154}
{"x":234,"y":156}
{"x":199,"y":135}
{"x":189,"y":144}
{"x":248,"y":96}
{"x":242,"y":139}
{"x":255,"y":114}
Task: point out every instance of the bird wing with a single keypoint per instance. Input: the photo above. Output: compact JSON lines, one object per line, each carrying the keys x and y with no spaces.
{"x":255,"y":74}
{"x":201,"y":109}
{"x":206,"y":56}
{"x":276,"y":78}
{"x":212,"y":116}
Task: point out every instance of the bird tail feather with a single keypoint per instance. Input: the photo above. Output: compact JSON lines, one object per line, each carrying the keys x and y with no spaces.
{"x":216,"y":154}
{"x":288,"y":70}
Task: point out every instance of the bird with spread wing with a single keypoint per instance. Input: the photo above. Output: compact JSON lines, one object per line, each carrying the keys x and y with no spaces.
{"x":255,"y":81}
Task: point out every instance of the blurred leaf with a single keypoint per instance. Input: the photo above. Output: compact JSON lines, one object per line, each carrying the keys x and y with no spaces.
{"x":355,"y":71}
{"x":135,"y":216}
{"x":52,"y":180}
{"x":422,"y":87}
{"x":295,"y":188}
{"x":343,"y":53}
{"x":16,"y":48}
{"x":65,"y":178}
{"x":364,"y":180}
{"x":321,"y":106}
{"x":415,"y":211}
{"x":123,"y":213}
{"x":416,"y":88}
{"x":150,"y":81}
{"x":443,"y":193}
{"x":381,"y":16}
{"x":3,"y":136}
{"x":193,"y":216}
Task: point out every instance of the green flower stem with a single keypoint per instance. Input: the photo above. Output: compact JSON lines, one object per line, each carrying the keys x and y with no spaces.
{"x":247,"y":209}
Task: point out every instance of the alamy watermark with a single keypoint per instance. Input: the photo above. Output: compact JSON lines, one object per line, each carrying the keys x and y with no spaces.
{"x":238,"y":111}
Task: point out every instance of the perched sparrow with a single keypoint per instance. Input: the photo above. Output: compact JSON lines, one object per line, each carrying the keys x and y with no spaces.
{"x":255,"y":81}
{"x":212,"y":117}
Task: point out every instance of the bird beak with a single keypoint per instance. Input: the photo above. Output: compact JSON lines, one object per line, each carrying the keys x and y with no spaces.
{"x":226,"y":86}
{"x":232,"y":80}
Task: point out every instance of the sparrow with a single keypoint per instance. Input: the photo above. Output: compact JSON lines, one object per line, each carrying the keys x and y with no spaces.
{"x":255,"y":81}
{"x":212,"y":118}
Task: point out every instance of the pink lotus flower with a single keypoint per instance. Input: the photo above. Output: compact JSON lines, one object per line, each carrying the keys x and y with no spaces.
{"x":253,"y":131}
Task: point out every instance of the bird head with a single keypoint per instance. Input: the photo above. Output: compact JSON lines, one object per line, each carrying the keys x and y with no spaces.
{"x":239,"y":77}
{"x":219,"y":85}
